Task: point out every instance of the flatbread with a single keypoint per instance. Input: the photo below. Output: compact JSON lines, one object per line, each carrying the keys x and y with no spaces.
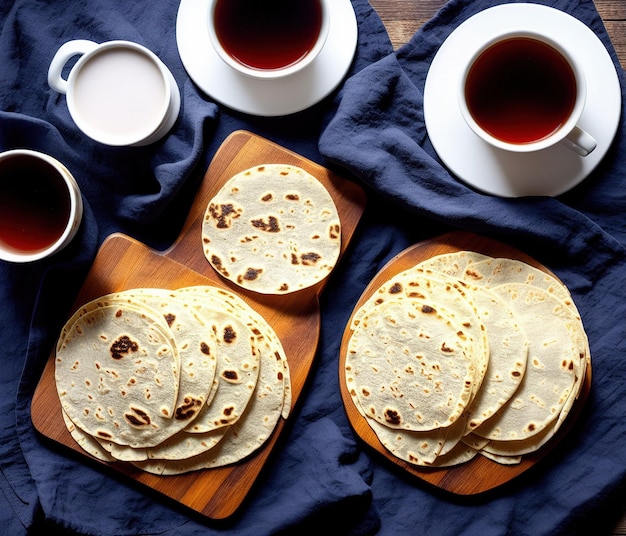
{"x":551,"y":372}
{"x":508,"y":356}
{"x":262,"y":331}
{"x":454,"y":264}
{"x":88,"y":443}
{"x":244,"y":437}
{"x":408,"y":366}
{"x":237,"y":370}
{"x":530,"y":357}
{"x":226,"y":363}
{"x":418,"y":448}
{"x":492,"y":272}
{"x":272,"y":229}
{"x":445,"y":294}
{"x":117,"y":375}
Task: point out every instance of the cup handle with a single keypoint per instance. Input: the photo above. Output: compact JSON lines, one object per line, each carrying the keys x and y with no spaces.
{"x":579,"y":141}
{"x":63,"y":55}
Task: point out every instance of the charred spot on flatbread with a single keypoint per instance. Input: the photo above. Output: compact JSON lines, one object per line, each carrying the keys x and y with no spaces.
{"x":393,"y":417}
{"x":251,"y":274}
{"x":311,"y":258}
{"x":123,"y":346}
{"x":188,"y":409}
{"x":396,"y":288}
{"x":229,"y":334}
{"x":219,"y":265}
{"x":137,"y":417}
{"x":270,"y":225}
{"x":223,"y":214}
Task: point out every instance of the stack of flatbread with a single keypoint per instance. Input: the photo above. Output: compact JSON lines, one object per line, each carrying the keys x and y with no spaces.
{"x":171,"y":380}
{"x":465,"y":354}
{"x":272,"y":229}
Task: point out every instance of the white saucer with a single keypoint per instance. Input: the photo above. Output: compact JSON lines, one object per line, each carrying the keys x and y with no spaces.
{"x":264,"y":97}
{"x":549,"y":172}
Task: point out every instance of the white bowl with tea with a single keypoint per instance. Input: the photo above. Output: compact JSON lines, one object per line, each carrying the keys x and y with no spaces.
{"x":523,"y":91}
{"x":268,"y":40}
{"x":41,"y":206}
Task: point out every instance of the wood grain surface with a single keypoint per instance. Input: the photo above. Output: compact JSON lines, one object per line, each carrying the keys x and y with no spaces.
{"x":479,"y":475}
{"x":123,"y":263}
{"x":403,"y":18}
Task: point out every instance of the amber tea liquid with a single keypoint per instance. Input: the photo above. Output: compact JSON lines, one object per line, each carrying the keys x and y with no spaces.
{"x":268,"y":34}
{"x":34,"y":204}
{"x":520,"y":90}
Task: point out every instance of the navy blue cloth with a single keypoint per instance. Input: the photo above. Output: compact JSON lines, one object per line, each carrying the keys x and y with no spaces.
{"x":378,"y":135}
{"x":145,"y":193}
{"x":320,"y":477}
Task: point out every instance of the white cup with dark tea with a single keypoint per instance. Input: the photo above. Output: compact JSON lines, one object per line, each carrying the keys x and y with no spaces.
{"x":522,"y":92}
{"x":41,"y":207}
{"x":119,"y":93}
{"x":268,"y":40}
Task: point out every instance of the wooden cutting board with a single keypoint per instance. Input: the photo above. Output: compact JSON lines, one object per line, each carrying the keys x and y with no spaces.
{"x":480,"y":474}
{"x":123,"y":263}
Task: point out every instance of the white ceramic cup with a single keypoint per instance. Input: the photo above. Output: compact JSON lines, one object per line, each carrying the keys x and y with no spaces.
{"x":274,"y":72}
{"x":568,"y":133}
{"x":41,"y":207}
{"x":118,"y":93}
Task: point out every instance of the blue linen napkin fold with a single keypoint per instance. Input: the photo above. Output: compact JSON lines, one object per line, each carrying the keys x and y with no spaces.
{"x":145,"y":193}
{"x":378,"y":135}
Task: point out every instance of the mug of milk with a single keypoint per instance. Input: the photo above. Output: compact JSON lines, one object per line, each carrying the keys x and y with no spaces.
{"x":118,"y":93}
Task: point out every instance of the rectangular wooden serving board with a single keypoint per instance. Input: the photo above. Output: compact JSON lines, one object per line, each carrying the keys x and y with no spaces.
{"x":123,"y":263}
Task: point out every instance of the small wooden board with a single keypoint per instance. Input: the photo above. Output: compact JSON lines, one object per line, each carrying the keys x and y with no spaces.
{"x":123,"y":263}
{"x":480,"y":474}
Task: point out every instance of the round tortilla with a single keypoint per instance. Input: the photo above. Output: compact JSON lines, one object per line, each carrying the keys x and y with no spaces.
{"x":272,"y":229}
{"x":117,"y":375}
{"x":447,"y":295}
{"x":197,"y":347}
{"x":408,"y":368}
{"x":508,"y":356}
{"x":237,"y":370}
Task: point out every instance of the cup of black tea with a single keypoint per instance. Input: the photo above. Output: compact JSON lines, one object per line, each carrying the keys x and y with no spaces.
{"x":268,"y":39}
{"x":40,"y":206}
{"x":522,"y":92}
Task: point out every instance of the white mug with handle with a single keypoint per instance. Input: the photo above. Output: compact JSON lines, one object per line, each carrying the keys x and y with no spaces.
{"x":118,"y":93}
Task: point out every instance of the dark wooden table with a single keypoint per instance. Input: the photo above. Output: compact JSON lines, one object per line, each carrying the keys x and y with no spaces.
{"x":403,"y":18}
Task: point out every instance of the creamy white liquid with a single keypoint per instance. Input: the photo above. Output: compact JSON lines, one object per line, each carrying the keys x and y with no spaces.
{"x":120,"y":93}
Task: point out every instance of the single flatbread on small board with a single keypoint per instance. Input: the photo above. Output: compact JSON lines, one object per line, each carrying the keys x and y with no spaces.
{"x":272,"y":229}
